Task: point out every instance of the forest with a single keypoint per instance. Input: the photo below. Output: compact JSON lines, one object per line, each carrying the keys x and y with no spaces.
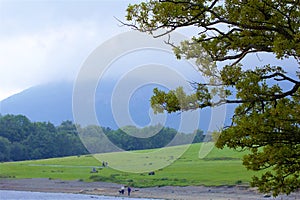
{"x":21,"y":139}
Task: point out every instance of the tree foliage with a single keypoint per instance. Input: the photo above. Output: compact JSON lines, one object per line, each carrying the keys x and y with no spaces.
{"x":266,"y":120}
{"x":150,"y":139}
{"x":21,"y":139}
{"x":132,"y":138}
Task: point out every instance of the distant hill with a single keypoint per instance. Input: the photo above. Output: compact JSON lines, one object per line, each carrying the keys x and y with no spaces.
{"x":53,"y":102}
{"x":50,"y":102}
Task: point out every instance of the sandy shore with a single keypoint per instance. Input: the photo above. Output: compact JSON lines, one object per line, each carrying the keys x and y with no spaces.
{"x":167,"y":192}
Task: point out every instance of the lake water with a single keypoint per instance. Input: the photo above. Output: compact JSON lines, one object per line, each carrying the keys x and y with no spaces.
{"x":19,"y":195}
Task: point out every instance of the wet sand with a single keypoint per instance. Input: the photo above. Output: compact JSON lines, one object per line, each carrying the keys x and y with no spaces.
{"x":166,"y":192}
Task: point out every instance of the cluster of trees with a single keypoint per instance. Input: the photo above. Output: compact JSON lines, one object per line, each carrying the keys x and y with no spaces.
{"x":148,"y":138}
{"x":266,"y":121}
{"x":21,"y":139}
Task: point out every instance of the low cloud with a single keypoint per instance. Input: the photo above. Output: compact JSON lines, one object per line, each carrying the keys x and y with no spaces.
{"x":55,"y":53}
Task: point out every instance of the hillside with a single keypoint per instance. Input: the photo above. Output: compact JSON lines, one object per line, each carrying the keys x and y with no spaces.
{"x":49,"y":102}
{"x":220,"y":167}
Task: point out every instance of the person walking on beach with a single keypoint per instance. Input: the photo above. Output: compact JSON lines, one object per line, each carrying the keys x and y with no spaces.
{"x":122,"y":190}
{"x":128,"y":190}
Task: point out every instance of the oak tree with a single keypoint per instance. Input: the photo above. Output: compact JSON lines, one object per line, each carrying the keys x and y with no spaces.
{"x":266,"y":121}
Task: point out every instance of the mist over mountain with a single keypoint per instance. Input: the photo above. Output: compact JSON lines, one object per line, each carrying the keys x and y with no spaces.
{"x":53,"y":102}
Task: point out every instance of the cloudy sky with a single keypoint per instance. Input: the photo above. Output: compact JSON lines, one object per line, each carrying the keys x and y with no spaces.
{"x":45,"y":41}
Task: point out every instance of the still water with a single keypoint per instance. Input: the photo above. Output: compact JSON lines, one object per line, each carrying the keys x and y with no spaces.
{"x":19,"y":195}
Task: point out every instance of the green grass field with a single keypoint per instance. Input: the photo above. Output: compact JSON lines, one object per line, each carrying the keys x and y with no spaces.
{"x":219,"y":167}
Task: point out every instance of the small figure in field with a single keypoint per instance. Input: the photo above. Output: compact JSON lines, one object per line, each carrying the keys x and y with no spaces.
{"x":94,"y":170}
{"x":104,"y":164}
{"x":128,"y":190}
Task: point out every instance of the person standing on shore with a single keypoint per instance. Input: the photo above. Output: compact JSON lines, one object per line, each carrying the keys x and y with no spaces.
{"x":122,"y":190}
{"x":128,"y":190}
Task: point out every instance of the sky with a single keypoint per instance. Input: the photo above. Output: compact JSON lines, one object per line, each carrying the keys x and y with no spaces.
{"x":50,"y":41}
{"x":46,"y":41}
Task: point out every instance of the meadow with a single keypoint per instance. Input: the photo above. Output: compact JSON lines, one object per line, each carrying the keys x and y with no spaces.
{"x":219,"y":167}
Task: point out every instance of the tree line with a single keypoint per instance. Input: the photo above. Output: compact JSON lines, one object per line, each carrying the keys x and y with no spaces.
{"x":21,"y":139}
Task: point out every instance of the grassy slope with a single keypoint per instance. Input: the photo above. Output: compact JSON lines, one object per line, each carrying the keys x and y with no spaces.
{"x":219,"y":167}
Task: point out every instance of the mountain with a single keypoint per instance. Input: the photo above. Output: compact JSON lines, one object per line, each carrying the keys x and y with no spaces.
{"x":53,"y":102}
{"x":49,"y":102}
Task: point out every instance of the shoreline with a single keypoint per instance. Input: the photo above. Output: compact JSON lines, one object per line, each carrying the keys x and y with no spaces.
{"x":166,"y":192}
